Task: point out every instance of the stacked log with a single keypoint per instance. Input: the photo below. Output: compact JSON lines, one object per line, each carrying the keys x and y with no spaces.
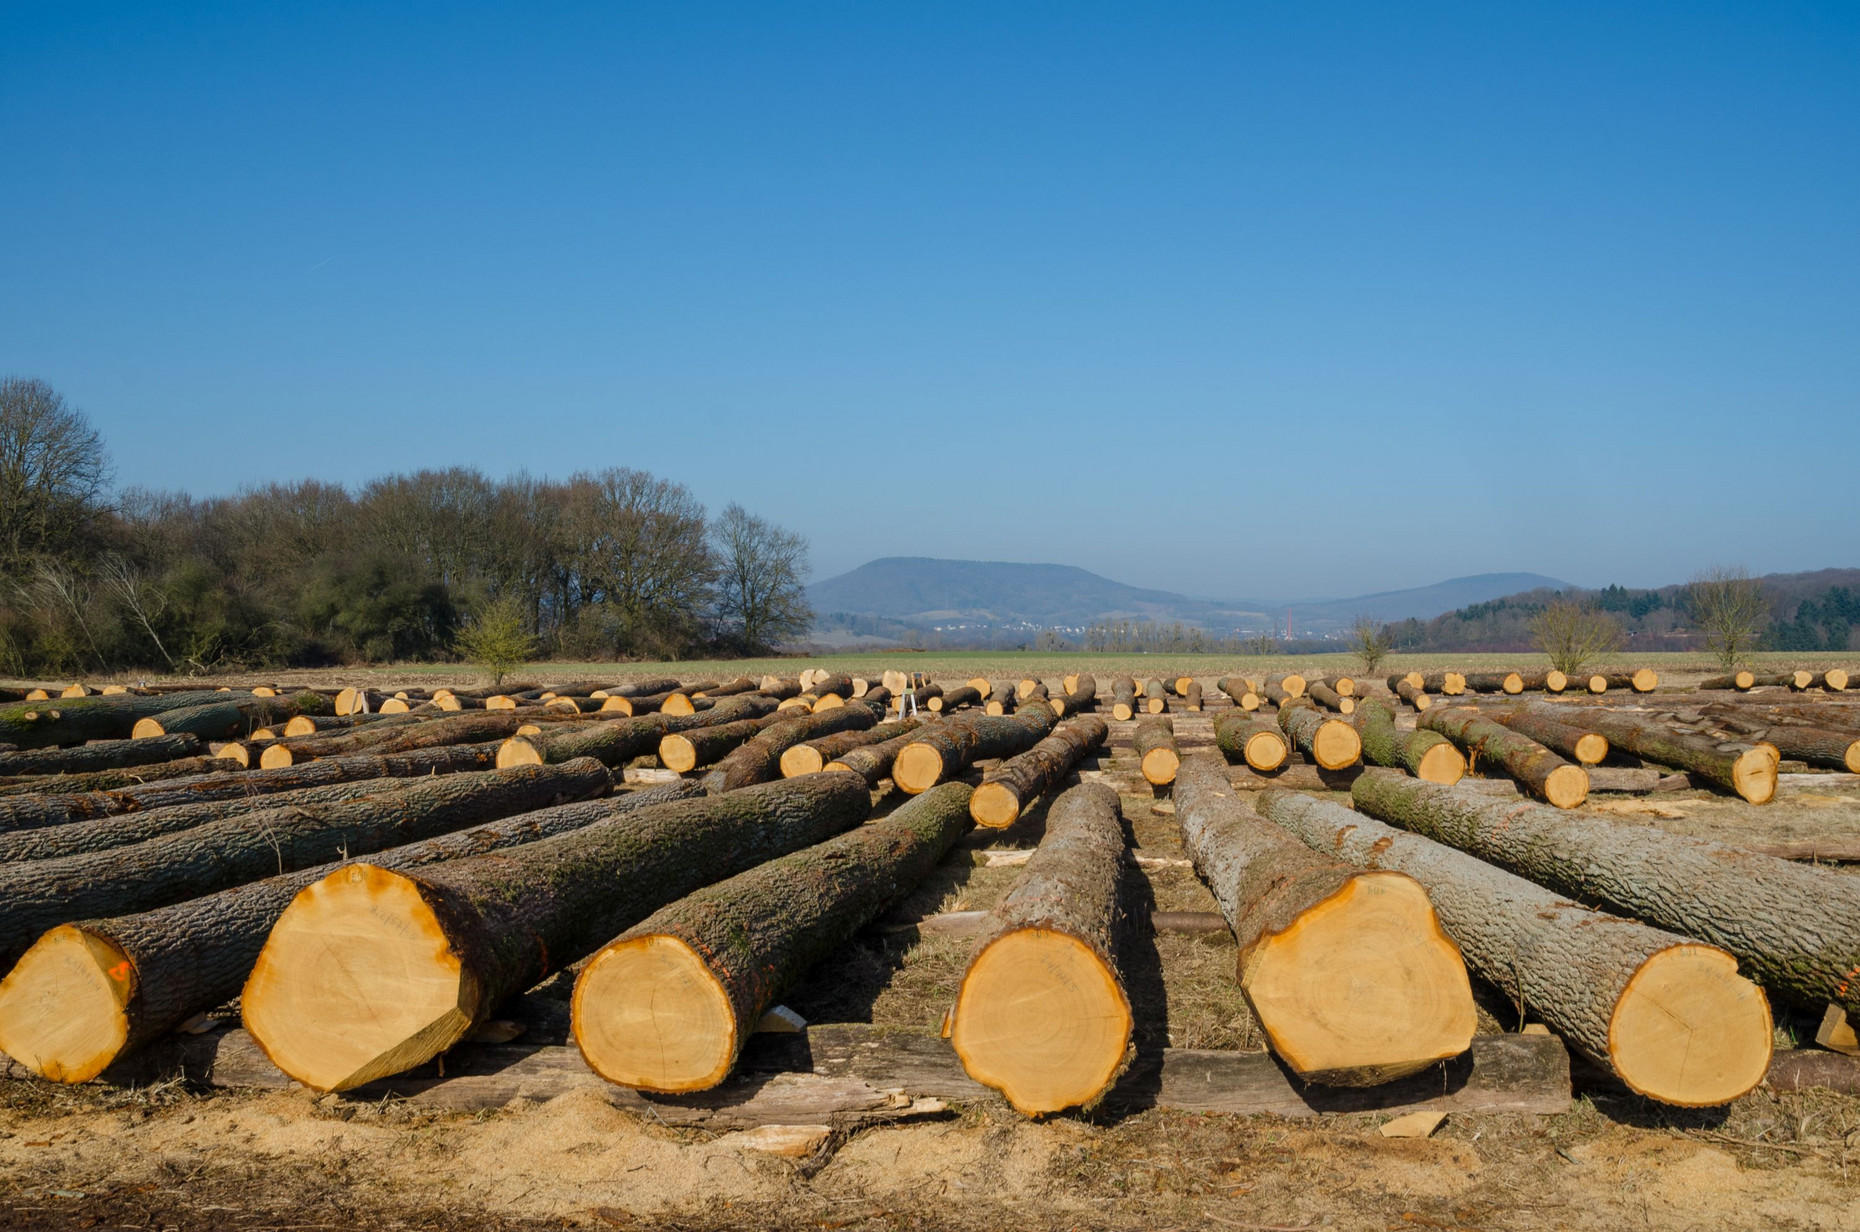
{"x":42,"y":894}
{"x":956,"y":699}
{"x":1079,"y":698}
{"x":102,"y":755}
{"x":1157,"y":755}
{"x":374,"y":971}
{"x":43,"y":724}
{"x":684,"y":751}
{"x":1494,"y":682}
{"x":1330,"y":743}
{"x":1041,"y":1015}
{"x":1343,"y":686}
{"x":667,"y":1005}
{"x":1123,"y":699}
{"x":945,"y":749}
{"x":758,"y":760}
{"x":106,"y":780}
{"x":1256,"y":742}
{"x":1566,"y":734}
{"x":1155,"y":697}
{"x":1410,"y":692}
{"x":1331,"y":700}
{"x":1796,"y":928}
{"x":1534,"y":767}
{"x":1741,"y":680}
{"x":1748,"y":770}
{"x":88,"y":993}
{"x":1241,"y":690}
{"x":1010,"y":787}
{"x":1291,"y":684}
{"x":1349,"y":973}
{"x":815,"y":755}
{"x":1449,"y":684}
{"x":614,"y":742}
{"x":872,"y":762}
{"x":1427,"y":755}
{"x":1671,"y":1018}
{"x":1837,"y":750}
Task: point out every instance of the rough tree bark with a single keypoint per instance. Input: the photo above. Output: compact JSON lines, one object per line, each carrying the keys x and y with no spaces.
{"x":1008,"y":788}
{"x":1425,"y":754}
{"x":1669,"y":1016}
{"x":373,"y":971}
{"x":759,"y":760}
{"x":1571,"y":738}
{"x":1349,"y":973}
{"x":815,"y":755}
{"x":1157,"y":755}
{"x":943,"y":750}
{"x":1042,"y":1015}
{"x":872,"y":762}
{"x":1530,"y":764}
{"x":42,"y":724}
{"x":1331,"y":743}
{"x":1257,"y":742}
{"x":614,"y":742}
{"x":103,"y":755}
{"x":1748,"y":770}
{"x":686,"y":750}
{"x":667,"y":1005}
{"x":42,"y":894}
{"x":90,"y":992}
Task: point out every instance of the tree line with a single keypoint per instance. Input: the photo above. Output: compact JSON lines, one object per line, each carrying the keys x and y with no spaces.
{"x":606,"y":565}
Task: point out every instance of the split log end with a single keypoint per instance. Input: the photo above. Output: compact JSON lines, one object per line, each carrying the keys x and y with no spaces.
{"x":89,"y":980}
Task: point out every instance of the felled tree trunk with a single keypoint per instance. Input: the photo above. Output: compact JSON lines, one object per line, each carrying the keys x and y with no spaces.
{"x":1241,"y":690}
{"x":1530,"y":764}
{"x":759,"y":760}
{"x":1331,"y":743}
{"x":1572,"y":739}
{"x":814,"y":756}
{"x":1331,"y":700}
{"x":668,"y":1004}
{"x":1123,"y":699}
{"x":43,"y":894}
{"x":956,"y":699}
{"x":1494,"y":682}
{"x":872,"y":762}
{"x":1410,"y":692}
{"x":42,"y":724}
{"x":686,"y":750}
{"x":1349,"y":973}
{"x":373,"y":971}
{"x":1014,"y":784}
{"x":89,"y":993}
{"x":1157,"y":755}
{"x":1451,"y":684}
{"x":1668,"y":1016}
{"x":1258,"y":743}
{"x":1425,"y":754}
{"x":1795,"y":927}
{"x":54,"y":785}
{"x":102,"y":755}
{"x":1041,"y":1015}
{"x":1838,"y":750}
{"x":945,"y":749}
{"x":1748,"y":770}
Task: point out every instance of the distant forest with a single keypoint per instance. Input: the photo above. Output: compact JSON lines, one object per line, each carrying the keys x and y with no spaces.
{"x":606,"y":565}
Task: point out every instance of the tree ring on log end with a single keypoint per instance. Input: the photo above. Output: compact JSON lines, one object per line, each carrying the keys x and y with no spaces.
{"x":648,"y":1013}
{"x":1265,"y":751}
{"x":1041,"y":1020}
{"x":1336,"y":745}
{"x":918,"y":767}
{"x":993,"y":805}
{"x":1159,"y":766}
{"x":1754,"y":773}
{"x":61,"y":1007}
{"x":518,"y":751}
{"x":676,"y":752}
{"x":796,"y":761}
{"x":1362,"y":988}
{"x":1566,"y":786}
{"x":1689,"y":1030}
{"x":1442,"y":763}
{"x":357,"y":981}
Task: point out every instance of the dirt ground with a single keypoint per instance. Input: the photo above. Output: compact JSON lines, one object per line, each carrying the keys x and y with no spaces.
{"x":172,"y":1158}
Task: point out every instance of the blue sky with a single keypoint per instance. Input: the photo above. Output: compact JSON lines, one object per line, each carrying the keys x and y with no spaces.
{"x":1241,"y":300}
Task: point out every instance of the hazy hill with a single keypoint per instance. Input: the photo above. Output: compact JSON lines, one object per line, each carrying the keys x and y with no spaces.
{"x":921,"y":591}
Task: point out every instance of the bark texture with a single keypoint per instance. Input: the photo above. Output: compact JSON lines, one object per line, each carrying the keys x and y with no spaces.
{"x":1386,"y":745}
{"x":1236,"y":733}
{"x":55,"y":721}
{"x":231,"y":718}
{"x":872,"y":762}
{"x":759,"y":760}
{"x":819,"y":754}
{"x":188,"y":958}
{"x":1010,"y":787}
{"x":946,"y":748}
{"x":106,"y":780}
{"x":103,"y":755}
{"x":1069,"y":887}
{"x":42,"y":894}
{"x":1795,"y":927}
{"x":1319,"y":736}
{"x":1157,"y":755}
{"x":1545,"y":774}
{"x":1729,"y":766}
{"x":1568,"y":964}
{"x":1571,"y":739}
{"x":759,"y":931}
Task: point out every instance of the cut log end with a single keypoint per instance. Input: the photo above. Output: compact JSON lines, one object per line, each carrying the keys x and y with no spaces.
{"x":1336,"y":745}
{"x":1159,"y":766}
{"x":796,"y":761}
{"x":519,"y":751}
{"x":994,"y":806}
{"x":1644,"y":680}
{"x":146,"y":729}
{"x":1122,"y":711}
{"x":1041,"y":1020}
{"x":501,"y":702}
{"x":1362,"y":988}
{"x":676,"y":752}
{"x":1591,"y":748}
{"x":357,"y":981}
{"x":677,"y":703}
{"x":395,"y":705}
{"x":1689,"y":1030}
{"x":918,"y":767}
{"x":1265,"y":751}
{"x":648,"y":1013}
{"x":1555,"y":681}
{"x":278,"y":756}
{"x":1567,"y":786}
{"x":1754,"y":773}
{"x":1513,"y":683}
{"x":300,"y":725}
{"x":1442,"y":763}
{"x":61,"y":1007}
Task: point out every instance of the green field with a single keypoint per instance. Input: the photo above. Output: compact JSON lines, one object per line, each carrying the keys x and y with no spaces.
{"x":1675,"y":669}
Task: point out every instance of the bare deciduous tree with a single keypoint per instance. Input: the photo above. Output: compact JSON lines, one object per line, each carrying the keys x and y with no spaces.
{"x":143,"y":600}
{"x":1728,"y":605}
{"x":52,"y":470}
{"x":761,"y":571}
{"x":641,"y":556}
{"x":1573,"y":632}
{"x":1369,"y":639}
